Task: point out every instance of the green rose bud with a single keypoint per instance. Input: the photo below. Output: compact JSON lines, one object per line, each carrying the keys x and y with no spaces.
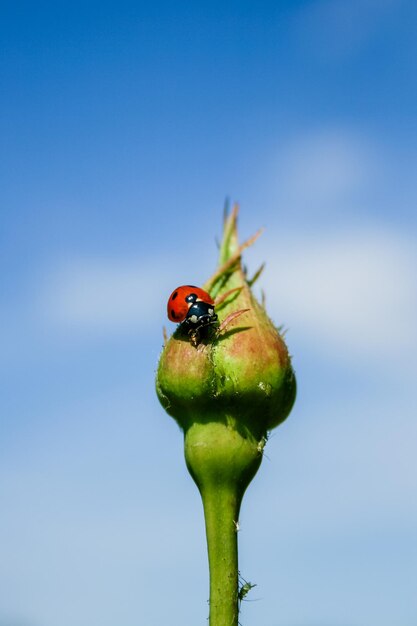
{"x":241,"y":374}
{"x":227,"y":388}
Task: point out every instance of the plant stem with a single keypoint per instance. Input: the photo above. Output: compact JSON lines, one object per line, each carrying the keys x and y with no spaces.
{"x":221,"y":511}
{"x":222,"y":460}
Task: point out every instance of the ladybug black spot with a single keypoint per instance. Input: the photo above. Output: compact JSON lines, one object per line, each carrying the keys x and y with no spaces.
{"x":174,"y":295}
{"x":173,"y":314}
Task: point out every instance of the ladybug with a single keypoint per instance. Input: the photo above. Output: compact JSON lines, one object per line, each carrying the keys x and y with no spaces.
{"x":192,"y":307}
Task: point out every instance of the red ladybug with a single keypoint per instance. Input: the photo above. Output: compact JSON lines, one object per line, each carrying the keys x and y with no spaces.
{"x":191,"y":306}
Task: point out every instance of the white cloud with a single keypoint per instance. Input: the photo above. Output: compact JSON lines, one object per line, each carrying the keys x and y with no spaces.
{"x":323,"y":171}
{"x":347,"y":293}
{"x":334,"y":30}
{"x":348,"y":288}
{"x":111,"y":295}
{"x":102,"y":295}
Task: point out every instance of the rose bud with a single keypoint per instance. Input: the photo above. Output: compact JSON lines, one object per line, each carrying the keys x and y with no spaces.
{"x":226,"y":378}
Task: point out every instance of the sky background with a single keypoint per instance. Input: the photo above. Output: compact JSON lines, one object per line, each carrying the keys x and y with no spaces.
{"x":124,"y":126}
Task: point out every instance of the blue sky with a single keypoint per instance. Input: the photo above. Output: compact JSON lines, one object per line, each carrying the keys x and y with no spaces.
{"x":124,"y":126}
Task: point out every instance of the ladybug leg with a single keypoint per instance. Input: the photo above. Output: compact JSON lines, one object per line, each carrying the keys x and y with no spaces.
{"x":202,"y":346}
{"x":194,"y":335}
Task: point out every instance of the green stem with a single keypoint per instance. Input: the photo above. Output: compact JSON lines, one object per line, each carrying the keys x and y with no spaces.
{"x":221,"y":512}
{"x":222,"y":460}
